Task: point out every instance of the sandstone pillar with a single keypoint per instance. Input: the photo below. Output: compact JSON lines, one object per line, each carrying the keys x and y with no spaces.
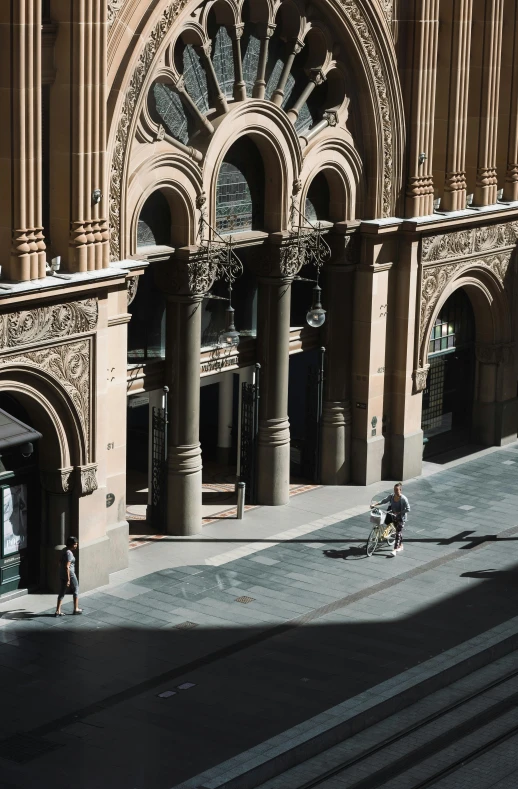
{"x":78,"y":147}
{"x":454,"y":197}
{"x":406,"y":436}
{"x":419,"y":191}
{"x":511,"y":176}
{"x":265,"y":32}
{"x":336,"y":411}
{"x":273,"y":348}
{"x":293,"y":49}
{"x":21,"y":231}
{"x":495,"y":409}
{"x":486,"y":182}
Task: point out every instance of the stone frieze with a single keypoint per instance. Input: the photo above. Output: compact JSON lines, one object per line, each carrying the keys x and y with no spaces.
{"x":29,"y":327}
{"x":473,"y":241}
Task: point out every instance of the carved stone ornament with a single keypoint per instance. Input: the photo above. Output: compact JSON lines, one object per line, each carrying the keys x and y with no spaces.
{"x":387,"y":8}
{"x":420,"y":377}
{"x":57,"y":481}
{"x":501,"y":353}
{"x":436,"y":278}
{"x":132,"y":286}
{"x":28,"y":327}
{"x":153,"y":42}
{"x":361,"y":26}
{"x":88,"y":477}
{"x":469,"y":242}
{"x":70,"y":365}
{"x":114,"y":6}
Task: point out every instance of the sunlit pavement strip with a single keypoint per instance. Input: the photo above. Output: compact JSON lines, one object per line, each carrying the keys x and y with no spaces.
{"x":285,"y":536}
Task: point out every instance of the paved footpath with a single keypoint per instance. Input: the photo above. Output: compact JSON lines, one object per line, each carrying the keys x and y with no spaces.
{"x":206,"y":647}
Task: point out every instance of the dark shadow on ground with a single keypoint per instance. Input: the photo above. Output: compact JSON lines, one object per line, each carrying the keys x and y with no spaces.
{"x":101,"y":674}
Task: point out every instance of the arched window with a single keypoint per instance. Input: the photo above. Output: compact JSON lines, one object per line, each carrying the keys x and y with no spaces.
{"x":154,"y":224}
{"x":318,"y":199}
{"x":240,"y":189}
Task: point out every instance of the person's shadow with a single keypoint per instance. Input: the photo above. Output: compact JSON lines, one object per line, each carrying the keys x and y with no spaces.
{"x":19,"y":615}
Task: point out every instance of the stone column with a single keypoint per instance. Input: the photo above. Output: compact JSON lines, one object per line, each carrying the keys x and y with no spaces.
{"x":205,"y":54}
{"x":454,"y":197}
{"x":78,"y":137}
{"x":184,"y":280}
{"x":21,"y":230}
{"x":265,"y":33}
{"x":419,"y":191}
{"x":316,"y":77}
{"x":239,"y":90}
{"x":293,"y":49}
{"x":495,"y":408}
{"x":486,"y":184}
{"x":225,"y":409}
{"x":511,"y":176}
{"x":279,"y":264}
{"x":336,"y":412}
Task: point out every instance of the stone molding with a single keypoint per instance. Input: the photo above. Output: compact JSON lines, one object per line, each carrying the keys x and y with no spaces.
{"x":499,"y":353}
{"x":88,"y":478}
{"x":57,"y":481}
{"x":28,"y":327}
{"x":132,"y":286}
{"x":436,"y":278}
{"x":70,"y":365}
{"x":468,"y":242}
{"x":419,"y":377}
{"x":114,"y":6}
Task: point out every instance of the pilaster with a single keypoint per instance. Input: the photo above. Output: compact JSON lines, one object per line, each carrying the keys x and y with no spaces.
{"x":486,"y":182}
{"x":511,"y":176}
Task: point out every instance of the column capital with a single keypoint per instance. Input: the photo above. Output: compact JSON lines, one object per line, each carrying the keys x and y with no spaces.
{"x":281,"y":257}
{"x":189,"y":274}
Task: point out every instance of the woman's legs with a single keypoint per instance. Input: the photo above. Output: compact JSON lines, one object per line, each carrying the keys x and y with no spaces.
{"x":399,"y":535}
{"x":61,"y":595}
{"x":74,"y":583}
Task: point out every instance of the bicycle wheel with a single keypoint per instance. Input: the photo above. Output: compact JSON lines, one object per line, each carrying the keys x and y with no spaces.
{"x":391,"y":536}
{"x":372,"y":542}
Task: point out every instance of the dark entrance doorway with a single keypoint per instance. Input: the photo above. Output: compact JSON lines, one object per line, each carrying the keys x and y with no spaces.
{"x":448,"y":397}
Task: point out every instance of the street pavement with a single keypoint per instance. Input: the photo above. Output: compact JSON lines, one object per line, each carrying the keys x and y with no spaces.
{"x":208,"y":646}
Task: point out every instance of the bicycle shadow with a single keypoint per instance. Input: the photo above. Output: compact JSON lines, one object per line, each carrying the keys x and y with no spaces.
{"x":354,"y":552}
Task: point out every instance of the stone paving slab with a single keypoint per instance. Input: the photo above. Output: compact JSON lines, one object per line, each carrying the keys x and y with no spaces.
{"x":324,"y":626}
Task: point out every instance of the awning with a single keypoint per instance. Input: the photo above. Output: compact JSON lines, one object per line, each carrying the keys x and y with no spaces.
{"x":13,"y":432}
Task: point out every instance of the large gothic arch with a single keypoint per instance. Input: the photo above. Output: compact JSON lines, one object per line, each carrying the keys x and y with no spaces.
{"x":362,"y":39}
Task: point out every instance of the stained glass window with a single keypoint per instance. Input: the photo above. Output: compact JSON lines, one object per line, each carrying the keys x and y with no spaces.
{"x":250,"y":46}
{"x":223,"y":60}
{"x":171,"y":112}
{"x":195,"y":79}
{"x":240,"y":190}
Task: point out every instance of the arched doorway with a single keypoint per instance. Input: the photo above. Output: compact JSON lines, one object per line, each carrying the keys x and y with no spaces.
{"x":448,"y":397}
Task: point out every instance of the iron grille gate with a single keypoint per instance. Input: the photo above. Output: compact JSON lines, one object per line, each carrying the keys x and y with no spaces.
{"x":314,"y":401}
{"x":249,"y":428}
{"x":159,"y":468}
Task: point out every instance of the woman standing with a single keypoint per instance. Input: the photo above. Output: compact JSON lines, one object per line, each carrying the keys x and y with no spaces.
{"x":67,"y":576}
{"x":399,"y":506}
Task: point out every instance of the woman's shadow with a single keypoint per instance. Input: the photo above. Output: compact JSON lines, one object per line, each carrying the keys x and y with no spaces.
{"x":346,"y":553}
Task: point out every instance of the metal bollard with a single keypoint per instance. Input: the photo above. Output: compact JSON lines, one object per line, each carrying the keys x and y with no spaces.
{"x":241,"y":490}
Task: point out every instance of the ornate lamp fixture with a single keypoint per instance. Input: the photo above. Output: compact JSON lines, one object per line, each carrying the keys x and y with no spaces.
{"x":220,"y":255}
{"x":313,"y":248}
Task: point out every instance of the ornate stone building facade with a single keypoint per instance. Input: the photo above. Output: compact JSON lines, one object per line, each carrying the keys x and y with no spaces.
{"x":173,"y":154}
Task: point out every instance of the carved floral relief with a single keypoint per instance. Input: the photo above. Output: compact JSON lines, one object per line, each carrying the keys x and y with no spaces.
{"x":28,"y":327}
{"x":469,"y":242}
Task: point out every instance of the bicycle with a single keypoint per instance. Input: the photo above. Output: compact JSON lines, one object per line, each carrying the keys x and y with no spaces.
{"x":381,"y":532}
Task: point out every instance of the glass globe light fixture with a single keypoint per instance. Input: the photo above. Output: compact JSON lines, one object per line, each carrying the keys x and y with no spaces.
{"x":316,"y":316}
{"x":230,"y":337}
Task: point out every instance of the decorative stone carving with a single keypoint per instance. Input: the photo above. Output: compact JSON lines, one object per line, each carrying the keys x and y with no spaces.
{"x":147,"y":55}
{"x":57,"y":481}
{"x":469,"y":242}
{"x":27,"y":327}
{"x":387,"y":8}
{"x":88,"y":477}
{"x":132,"y":286}
{"x":114,"y":6}
{"x":501,"y":353}
{"x":362,"y":30}
{"x":435,"y":278}
{"x":70,"y":365}
{"x":420,"y":377}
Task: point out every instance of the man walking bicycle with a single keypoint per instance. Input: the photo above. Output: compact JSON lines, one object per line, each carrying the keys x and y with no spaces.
{"x":399,"y":506}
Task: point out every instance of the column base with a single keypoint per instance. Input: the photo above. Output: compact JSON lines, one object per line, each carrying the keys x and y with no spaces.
{"x":94,"y":564}
{"x":407,"y":455}
{"x":367,"y":460}
{"x":184,"y":476}
{"x":273,"y":463}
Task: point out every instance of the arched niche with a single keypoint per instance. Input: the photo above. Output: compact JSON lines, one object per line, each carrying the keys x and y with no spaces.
{"x":325,"y":197}
{"x":240,"y":189}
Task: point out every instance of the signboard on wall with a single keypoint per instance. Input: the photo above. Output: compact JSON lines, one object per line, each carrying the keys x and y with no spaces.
{"x":14,"y":516}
